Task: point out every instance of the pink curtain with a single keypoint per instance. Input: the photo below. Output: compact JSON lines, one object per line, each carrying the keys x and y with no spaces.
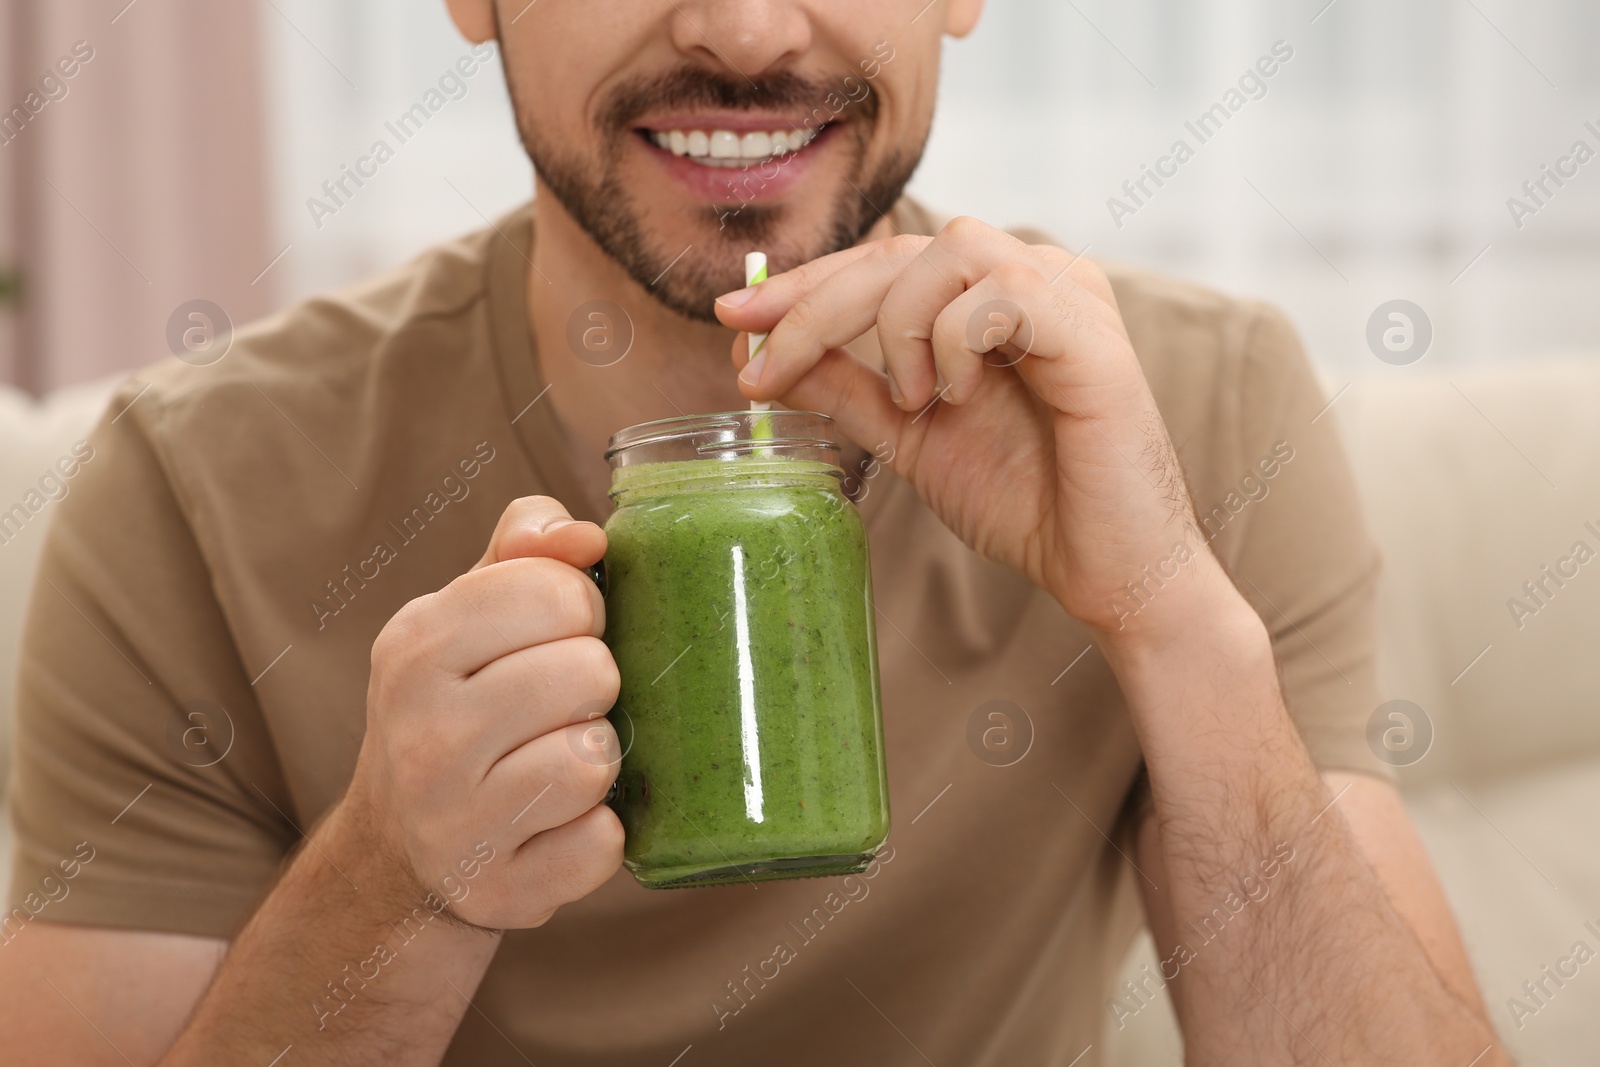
{"x":132,"y":179}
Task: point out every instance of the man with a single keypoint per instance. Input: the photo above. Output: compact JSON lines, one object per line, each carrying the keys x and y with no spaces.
{"x":285,"y":551}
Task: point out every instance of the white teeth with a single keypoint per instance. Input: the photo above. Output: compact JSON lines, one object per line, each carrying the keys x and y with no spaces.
{"x":755,"y":146}
{"x":725,"y":148}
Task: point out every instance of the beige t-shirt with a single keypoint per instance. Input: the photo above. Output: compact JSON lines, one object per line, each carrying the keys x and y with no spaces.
{"x":245,"y":529}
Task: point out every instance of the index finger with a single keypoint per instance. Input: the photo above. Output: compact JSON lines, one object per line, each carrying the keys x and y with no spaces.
{"x":759,"y":307}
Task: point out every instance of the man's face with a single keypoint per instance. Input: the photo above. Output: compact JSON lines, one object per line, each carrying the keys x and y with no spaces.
{"x":681,"y":134}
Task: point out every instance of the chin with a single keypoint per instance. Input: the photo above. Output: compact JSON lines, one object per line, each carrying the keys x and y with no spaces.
{"x":680,"y":222}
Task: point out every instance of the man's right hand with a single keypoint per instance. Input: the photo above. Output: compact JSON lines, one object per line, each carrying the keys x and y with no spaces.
{"x":485,"y":723}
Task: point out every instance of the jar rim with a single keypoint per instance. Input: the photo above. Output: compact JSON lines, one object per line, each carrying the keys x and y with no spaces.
{"x":731,"y":431}
{"x":646,"y":480}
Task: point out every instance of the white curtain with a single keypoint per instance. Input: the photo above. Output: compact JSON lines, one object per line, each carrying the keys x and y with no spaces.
{"x":130,"y":186}
{"x":1376,"y":166}
{"x":338,"y":74}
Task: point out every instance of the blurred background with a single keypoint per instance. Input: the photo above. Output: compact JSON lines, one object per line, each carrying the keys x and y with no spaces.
{"x":1377,"y":165}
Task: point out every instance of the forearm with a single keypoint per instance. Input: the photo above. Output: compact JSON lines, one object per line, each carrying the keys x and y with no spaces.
{"x":1275,"y":934}
{"x":348,"y":960}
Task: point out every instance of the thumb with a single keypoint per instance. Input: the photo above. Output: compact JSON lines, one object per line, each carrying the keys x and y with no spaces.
{"x":541,"y":526}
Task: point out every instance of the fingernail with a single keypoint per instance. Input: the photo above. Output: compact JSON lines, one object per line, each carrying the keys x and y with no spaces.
{"x":737,"y":299}
{"x":894,"y":388}
{"x":555,"y":524}
{"x":751,"y":375}
{"x":939,"y":384}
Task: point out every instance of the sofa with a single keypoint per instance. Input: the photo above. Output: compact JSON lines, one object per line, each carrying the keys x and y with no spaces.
{"x":34,"y":435}
{"x":1473,"y":483}
{"x":1479,"y":486}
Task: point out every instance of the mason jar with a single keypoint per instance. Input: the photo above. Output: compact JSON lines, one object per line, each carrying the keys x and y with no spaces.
{"x":739,"y":611}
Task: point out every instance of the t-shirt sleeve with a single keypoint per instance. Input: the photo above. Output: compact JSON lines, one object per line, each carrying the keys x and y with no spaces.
{"x":1290,"y":528}
{"x":143,"y":770}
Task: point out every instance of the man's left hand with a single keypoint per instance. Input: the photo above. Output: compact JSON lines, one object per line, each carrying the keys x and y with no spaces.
{"x":1011,"y":397}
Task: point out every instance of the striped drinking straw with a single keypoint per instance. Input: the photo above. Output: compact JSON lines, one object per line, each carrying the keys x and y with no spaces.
{"x":755,"y":272}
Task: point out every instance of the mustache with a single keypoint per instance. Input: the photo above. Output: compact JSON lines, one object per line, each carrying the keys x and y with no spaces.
{"x":690,"y":87}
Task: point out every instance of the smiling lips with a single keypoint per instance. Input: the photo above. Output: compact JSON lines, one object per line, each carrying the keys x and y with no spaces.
{"x":730,"y":148}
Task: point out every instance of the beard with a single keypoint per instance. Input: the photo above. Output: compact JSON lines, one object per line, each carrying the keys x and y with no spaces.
{"x":596,"y":197}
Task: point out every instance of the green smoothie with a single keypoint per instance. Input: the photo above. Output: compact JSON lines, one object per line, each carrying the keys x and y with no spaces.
{"x":739,"y":611}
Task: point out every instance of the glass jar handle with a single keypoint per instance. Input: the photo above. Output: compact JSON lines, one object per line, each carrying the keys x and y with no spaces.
{"x":597,"y":575}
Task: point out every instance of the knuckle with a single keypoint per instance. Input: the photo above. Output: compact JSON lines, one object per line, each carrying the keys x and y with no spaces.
{"x":595,"y":849}
{"x":582,"y":762}
{"x":401,"y":637}
{"x":802,"y":317}
{"x":1086,"y":274}
{"x":466,"y":594}
{"x":897,"y":324}
{"x":580,"y":602}
{"x":462,"y":587}
{"x":568,"y":864}
{"x":588,"y":853}
{"x":567,"y":594}
{"x":598,"y":665}
{"x":591,"y":774}
{"x":966,"y":228}
{"x":526,"y":514}
{"x":530,"y":505}
{"x":903,"y":247}
{"x":609,"y":837}
{"x":1017,"y":277}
